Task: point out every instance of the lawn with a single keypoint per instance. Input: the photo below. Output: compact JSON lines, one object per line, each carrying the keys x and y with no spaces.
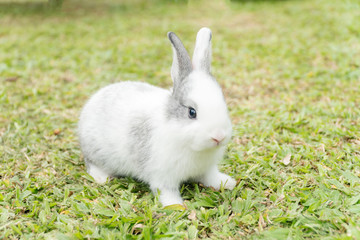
{"x":290,"y":71}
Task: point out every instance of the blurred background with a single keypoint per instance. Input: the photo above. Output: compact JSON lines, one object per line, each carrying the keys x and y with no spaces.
{"x":267,"y":50}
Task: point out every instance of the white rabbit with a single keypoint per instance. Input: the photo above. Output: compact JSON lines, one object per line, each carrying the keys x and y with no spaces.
{"x":159,"y":136}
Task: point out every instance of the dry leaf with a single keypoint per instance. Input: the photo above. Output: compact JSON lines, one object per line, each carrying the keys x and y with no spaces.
{"x":286,"y":159}
{"x":134,"y":208}
{"x":57,"y":131}
{"x":322,"y":147}
{"x":68,"y":79}
{"x":262,"y":223}
{"x":139,"y":225}
{"x":192,"y":215}
{"x":11,"y":79}
{"x":27,"y":157}
{"x":326,"y":167}
{"x":137,"y":228}
{"x":267,"y":192}
{"x":158,"y":215}
{"x":281,"y":197}
{"x":231,"y":217}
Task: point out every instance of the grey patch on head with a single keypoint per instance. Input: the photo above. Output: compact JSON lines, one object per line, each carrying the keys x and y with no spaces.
{"x":175,"y":110}
{"x":178,"y":103}
{"x":140,"y":136}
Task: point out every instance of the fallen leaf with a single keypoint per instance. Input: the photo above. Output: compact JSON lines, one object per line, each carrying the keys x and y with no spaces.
{"x":326,"y":167}
{"x":11,"y":79}
{"x":230,"y":218}
{"x":158,"y":215}
{"x":68,"y":79}
{"x":286,"y":159}
{"x":192,"y":215}
{"x":137,"y":228}
{"x":57,"y":131}
{"x":139,"y":225}
{"x":322,"y":147}
{"x":261,"y":223}
{"x":134,"y":208}
{"x":281,"y":197}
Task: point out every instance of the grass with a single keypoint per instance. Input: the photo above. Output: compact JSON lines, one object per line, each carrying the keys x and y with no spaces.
{"x":291,"y":75}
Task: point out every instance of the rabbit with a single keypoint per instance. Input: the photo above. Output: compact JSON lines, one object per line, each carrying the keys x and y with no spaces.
{"x":158,"y":136}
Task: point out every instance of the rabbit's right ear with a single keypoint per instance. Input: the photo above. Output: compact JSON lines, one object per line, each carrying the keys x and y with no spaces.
{"x":181,"y":66}
{"x":202,"y":52}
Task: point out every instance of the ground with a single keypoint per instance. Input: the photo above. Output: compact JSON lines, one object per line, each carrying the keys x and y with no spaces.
{"x":290,"y":71}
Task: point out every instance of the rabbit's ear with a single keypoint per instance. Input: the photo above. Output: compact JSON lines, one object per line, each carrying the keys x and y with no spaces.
{"x":181,"y":66}
{"x":202,"y":52}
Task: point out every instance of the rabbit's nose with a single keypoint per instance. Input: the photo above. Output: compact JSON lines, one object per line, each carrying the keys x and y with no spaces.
{"x":218,"y":139}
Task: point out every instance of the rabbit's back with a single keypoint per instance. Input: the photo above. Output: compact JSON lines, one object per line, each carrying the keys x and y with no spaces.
{"x":116,"y":123}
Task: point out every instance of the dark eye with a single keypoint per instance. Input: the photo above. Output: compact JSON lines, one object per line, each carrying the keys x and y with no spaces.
{"x":192,"y":113}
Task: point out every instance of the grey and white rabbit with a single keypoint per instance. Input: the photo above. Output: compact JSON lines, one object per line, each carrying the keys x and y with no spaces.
{"x":162,"y":137}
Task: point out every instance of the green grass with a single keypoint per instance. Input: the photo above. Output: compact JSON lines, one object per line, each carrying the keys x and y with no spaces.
{"x":291,"y":75}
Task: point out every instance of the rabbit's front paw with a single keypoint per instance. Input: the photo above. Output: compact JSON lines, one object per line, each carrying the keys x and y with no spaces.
{"x":228,"y":182}
{"x":217,"y":179}
{"x":169,"y":196}
{"x":98,"y":174}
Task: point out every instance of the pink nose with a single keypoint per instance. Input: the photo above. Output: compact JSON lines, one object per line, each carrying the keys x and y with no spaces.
{"x":217,"y":140}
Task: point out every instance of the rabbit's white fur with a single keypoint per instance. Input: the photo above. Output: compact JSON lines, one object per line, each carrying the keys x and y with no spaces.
{"x":139,"y":130}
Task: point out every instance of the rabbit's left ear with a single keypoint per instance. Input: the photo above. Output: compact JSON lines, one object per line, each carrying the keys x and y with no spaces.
{"x":202,"y":53}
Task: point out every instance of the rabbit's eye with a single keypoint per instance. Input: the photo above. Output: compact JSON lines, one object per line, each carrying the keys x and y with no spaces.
{"x":192,"y":113}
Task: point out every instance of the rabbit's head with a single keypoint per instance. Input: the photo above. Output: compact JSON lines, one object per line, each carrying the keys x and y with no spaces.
{"x":197,"y":102}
